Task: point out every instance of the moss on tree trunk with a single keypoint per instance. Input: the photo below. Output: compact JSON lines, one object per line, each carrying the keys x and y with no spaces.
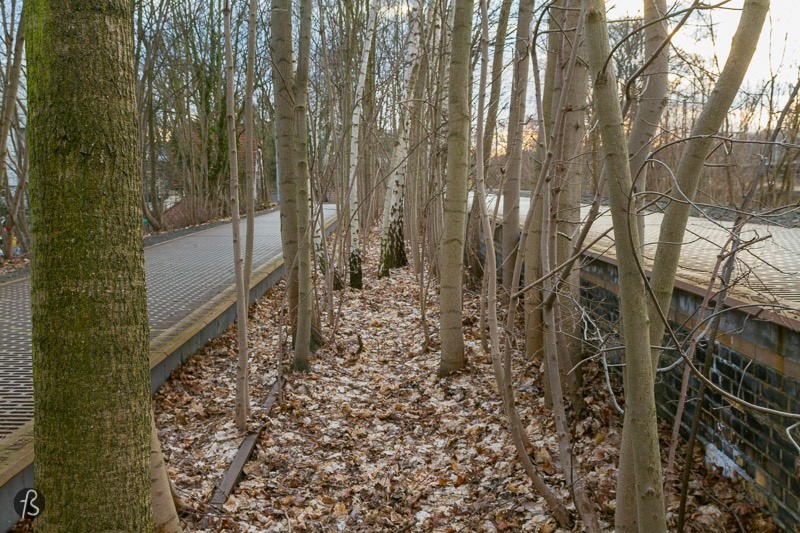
{"x":90,"y":331}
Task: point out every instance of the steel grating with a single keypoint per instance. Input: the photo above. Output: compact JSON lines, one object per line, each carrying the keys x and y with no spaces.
{"x":182,"y":275}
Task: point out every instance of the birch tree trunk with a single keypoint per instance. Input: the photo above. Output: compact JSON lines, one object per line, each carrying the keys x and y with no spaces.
{"x":88,"y":303}
{"x":455,"y":202}
{"x":393,"y":247}
{"x":355,"y":227}
{"x":242,"y":395}
{"x":640,"y":407}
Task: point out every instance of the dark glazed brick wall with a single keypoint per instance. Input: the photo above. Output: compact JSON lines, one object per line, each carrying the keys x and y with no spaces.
{"x":745,"y":443}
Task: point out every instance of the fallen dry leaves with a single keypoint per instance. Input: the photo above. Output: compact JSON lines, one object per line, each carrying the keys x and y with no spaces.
{"x":370,"y":439}
{"x":10,"y":266}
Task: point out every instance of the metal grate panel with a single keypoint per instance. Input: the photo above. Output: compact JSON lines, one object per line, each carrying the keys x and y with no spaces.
{"x":182,"y":275}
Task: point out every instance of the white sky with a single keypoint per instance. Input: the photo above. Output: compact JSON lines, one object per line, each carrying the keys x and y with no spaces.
{"x":778,"y":50}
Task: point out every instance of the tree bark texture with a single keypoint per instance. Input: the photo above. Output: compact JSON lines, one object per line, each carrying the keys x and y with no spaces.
{"x":242,"y":393}
{"x":516,"y":141}
{"x":356,"y":274}
{"x":283,"y":86}
{"x":640,"y":407}
{"x":305,"y":295}
{"x":455,"y":202}
{"x":88,"y":301}
{"x":393,"y":246}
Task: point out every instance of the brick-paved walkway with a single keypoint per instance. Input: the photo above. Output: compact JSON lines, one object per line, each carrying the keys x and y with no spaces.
{"x":182,"y":274}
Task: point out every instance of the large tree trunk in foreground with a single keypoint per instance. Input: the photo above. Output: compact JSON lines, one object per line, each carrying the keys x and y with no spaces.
{"x":640,"y":406}
{"x":88,"y":302}
{"x":455,"y":203}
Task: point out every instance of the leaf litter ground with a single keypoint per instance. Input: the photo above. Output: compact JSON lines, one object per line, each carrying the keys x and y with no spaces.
{"x":372,"y":440}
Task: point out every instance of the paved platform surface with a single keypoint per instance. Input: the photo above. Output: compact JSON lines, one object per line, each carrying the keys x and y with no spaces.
{"x":767,"y":271}
{"x":182,"y":275}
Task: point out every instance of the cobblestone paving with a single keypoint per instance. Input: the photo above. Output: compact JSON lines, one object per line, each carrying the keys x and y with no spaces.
{"x":182,"y":274}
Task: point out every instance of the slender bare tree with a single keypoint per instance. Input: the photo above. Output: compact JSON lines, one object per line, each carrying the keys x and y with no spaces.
{"x":455,"y":204}
{"x":282,"y":53}
{"x":355,"y":228}
{"x":250,"y":147}
{"x":393,"y":246}
{"x":12,"y":75}
{"x":516,"y":140}
{"x":640,"y":395}
{"x":242,"y":395}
